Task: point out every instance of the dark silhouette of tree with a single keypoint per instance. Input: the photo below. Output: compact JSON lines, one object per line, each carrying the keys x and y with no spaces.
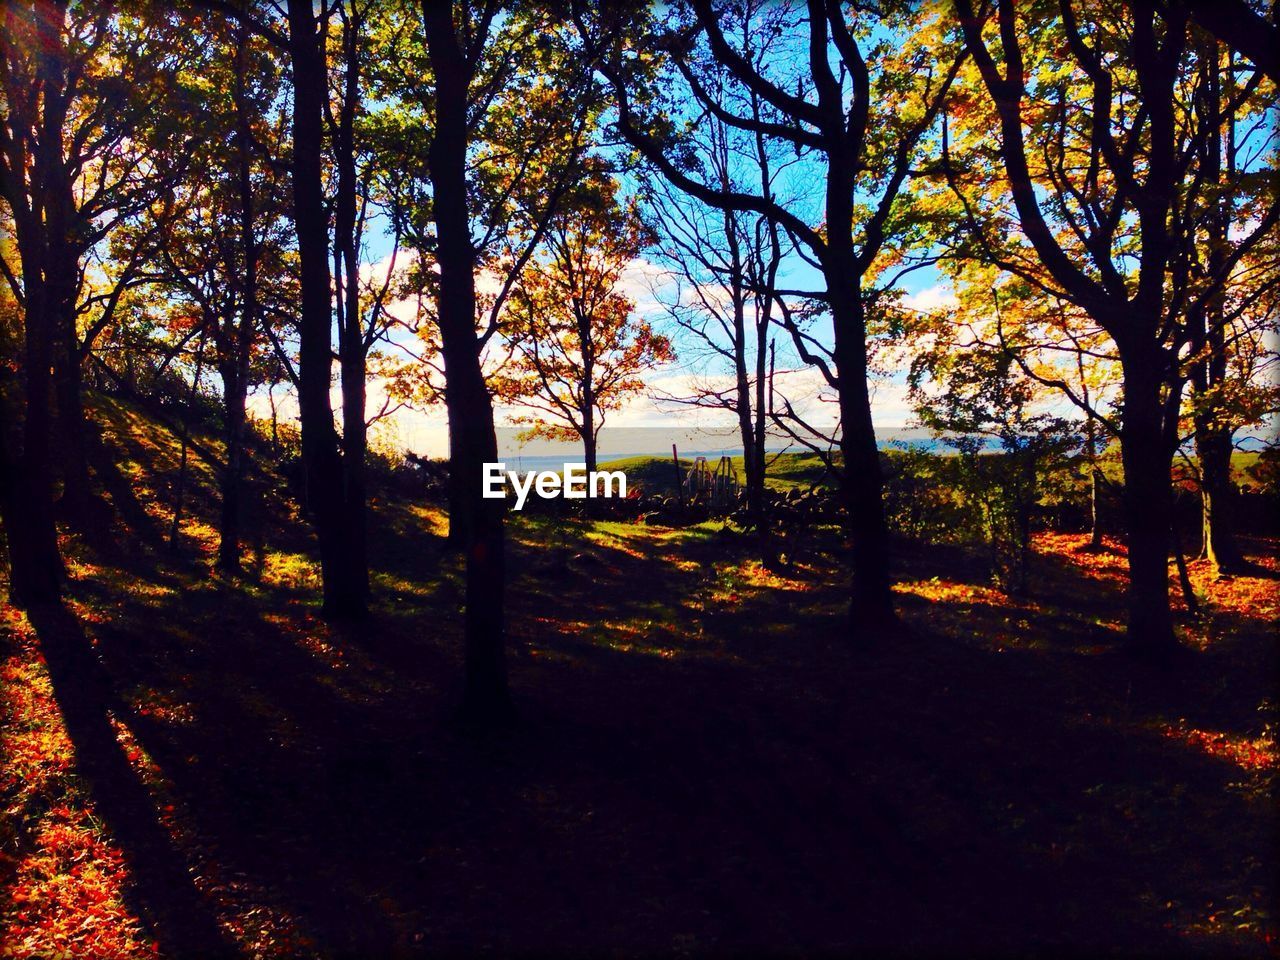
{"x":343,"y":564}
{"x":482,"y":134}
{"x":726,"y":264}
{"x":1239,"y":26}
{"x":472,"y":441}
{"x":82,"y":154}
{"x":225,"y":254}
{"x":1114,"y":234}
{"x":855,"y":126}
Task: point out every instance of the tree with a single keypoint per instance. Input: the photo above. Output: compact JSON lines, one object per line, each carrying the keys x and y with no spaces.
{"x":343,"y":564}
{"x":580,"y":350}
{"x":1239,"y":26}
{"x":82,"y":155}
{"x":725,"y":264}
{"x":361,"y":321}
{"x":506,"y":105}
{"x":1104,"y":216}
{"x":862,"y":124}
{"x":328,"y":130}
{"x":1220,"y":321}
{"x":229,"y":241}
{"x":27,"y":161}
{"x":973,"y":390}
{"x":472,"y":441}
{"x":1055,"y":345}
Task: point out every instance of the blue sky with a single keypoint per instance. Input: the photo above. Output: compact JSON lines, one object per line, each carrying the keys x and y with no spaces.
{"x":425,"y":430}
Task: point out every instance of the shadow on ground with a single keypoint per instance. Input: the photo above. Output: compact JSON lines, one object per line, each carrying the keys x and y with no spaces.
{"x":703,"y":763}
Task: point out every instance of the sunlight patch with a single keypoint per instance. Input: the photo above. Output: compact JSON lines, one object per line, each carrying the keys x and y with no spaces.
{"x":1248,"y":754}
{"x":66,"y":892}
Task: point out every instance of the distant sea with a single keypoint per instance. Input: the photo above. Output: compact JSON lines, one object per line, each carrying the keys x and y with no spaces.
{"x":522,"y":463}
{"x":542,"y":461}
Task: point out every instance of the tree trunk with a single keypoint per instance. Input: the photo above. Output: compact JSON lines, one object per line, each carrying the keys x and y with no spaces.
{"x":1217,"y":496}
{"x":756,"y":503}
{"x":750,"y":428}
{"x":355,"y":444}
{"x":1184,"y":577}
{"x":1095,"y":516}
{"x":322,"y":462}
{"x":353,"y":352}
{"x":871,"y":600}
{"x":35,"y":565}
{"x":472,"y":441}
{"x":589,"y":439}
{"x":751,"y":466}
{"x":590,"y":457}
{"x":1095,"y":474}
{"x":1148,"y":506}
{"x":233,"y":475}
{"x":746,"y":431}
{"x":456,"y":536}
{"x":184,"y":420}
{"x":240,"y":338}
{"x":26,"y":499}
{"x":756,"y":490}
{"x":871,"y":595}
{"x":586,"y":348}
{"x":36,"y":570}
{"x":60,"y":277}
{"x":1212,"y":434}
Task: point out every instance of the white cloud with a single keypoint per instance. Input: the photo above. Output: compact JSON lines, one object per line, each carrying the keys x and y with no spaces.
{"x":930,"y":299}
{"x":647,"y":283}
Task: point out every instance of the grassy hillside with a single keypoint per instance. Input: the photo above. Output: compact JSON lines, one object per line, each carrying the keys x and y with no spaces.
{"x":705,"y":762}
{"x":793,"y":469}
{"x":657,"y":474}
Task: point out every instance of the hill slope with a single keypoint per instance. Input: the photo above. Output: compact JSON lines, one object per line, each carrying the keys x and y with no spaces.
{"x":705,"y":763}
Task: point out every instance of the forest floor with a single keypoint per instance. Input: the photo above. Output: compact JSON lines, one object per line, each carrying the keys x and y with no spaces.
{"x":198,"y":766}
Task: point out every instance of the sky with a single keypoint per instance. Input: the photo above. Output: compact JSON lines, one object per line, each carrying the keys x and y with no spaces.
{"x":425,"y":431}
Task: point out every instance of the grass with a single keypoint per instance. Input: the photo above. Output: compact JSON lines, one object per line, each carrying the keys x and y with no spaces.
{"x":704,"y":763}
{"x":785,"y":470}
